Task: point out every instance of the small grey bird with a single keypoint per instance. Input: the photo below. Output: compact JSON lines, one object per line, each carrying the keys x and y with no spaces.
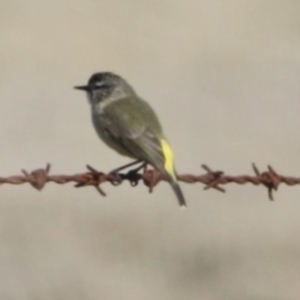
{"x":129,"y":125}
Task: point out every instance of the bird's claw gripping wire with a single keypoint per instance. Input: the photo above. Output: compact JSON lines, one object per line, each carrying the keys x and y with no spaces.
{"x":115,"y":178}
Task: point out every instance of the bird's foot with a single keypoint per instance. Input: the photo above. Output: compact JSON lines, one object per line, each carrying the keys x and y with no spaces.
{"x":117,"y":177}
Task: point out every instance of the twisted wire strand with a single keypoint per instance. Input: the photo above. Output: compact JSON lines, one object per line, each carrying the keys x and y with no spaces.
{"x":38,"y":178}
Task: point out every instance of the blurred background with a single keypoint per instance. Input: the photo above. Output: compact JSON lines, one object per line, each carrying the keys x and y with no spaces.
{"x":224,"y":78}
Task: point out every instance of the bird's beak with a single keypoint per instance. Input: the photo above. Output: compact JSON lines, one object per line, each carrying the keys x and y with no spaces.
{"x":82,"y":87}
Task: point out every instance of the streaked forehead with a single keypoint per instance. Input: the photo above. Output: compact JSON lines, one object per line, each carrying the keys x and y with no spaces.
{"x":100,"y":77}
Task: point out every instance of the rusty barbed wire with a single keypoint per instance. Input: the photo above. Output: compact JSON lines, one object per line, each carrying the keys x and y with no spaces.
{"x":38,"y":178}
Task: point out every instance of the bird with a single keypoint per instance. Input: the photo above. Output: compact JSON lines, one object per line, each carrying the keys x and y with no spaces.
{"x":129,"y":125}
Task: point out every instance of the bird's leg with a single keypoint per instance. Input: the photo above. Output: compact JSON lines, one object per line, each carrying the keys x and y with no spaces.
{"x":136,"y":170}
{"x":133,"y":175}
{"x":116,"y":171}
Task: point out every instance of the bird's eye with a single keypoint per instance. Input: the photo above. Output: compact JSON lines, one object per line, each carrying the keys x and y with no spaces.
{"x":101,"y":85}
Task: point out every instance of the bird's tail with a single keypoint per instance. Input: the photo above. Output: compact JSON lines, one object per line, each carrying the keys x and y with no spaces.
{"x":178,"y":192}
{"x":169,"y":170}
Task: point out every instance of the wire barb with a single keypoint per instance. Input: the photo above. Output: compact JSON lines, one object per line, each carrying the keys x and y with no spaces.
{"x":38,"y":178}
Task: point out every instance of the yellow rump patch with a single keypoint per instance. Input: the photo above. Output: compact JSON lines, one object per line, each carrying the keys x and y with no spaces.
{"x":169,"y":158}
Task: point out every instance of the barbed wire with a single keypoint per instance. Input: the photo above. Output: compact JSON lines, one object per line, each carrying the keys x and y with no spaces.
{"x":38,"y":178}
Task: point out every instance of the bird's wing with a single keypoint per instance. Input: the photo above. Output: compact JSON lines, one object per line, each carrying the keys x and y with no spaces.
{"x":140,"y":141}
{"x":137,"y":136}
{"x":147,"y":146}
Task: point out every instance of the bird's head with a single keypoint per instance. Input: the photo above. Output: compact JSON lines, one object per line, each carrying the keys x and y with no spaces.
{"x":103,"y":85}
